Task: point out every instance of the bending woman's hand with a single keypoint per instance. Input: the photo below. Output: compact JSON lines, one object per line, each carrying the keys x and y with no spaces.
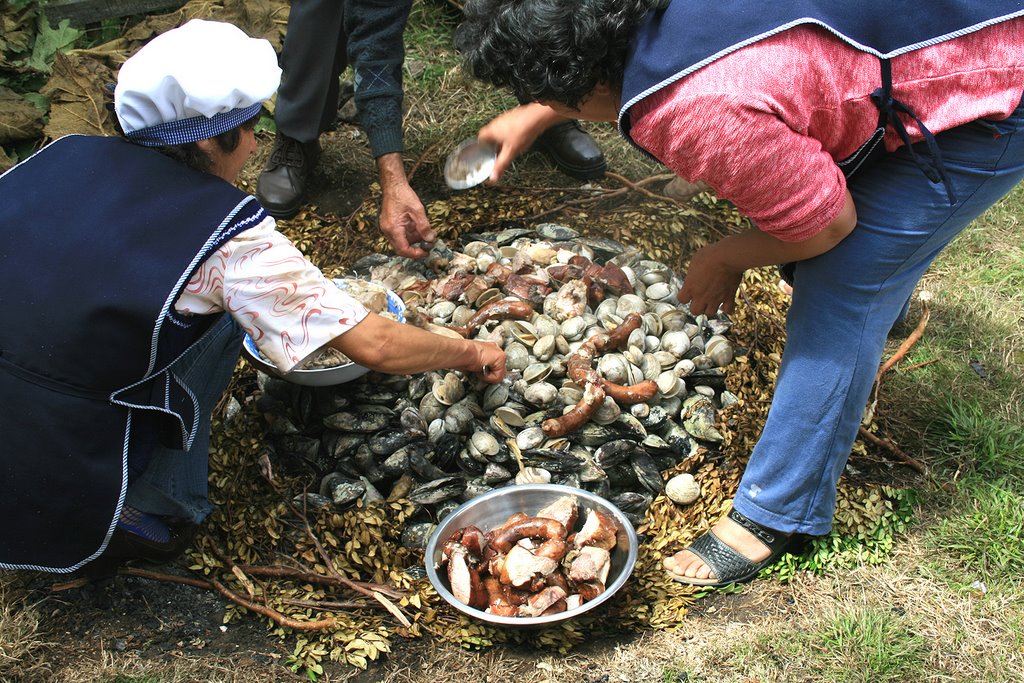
{"x":515,"y":131}
{"x":709,"y":284}
{"x":716,"y":270}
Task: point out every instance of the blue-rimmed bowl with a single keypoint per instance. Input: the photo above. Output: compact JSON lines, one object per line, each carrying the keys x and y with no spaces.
{"x":491,"y":509}
{"x":320,"y":377}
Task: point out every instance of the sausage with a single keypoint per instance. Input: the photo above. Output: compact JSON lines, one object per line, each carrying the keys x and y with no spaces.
{"x":578,"y":369}
{"x":465,"y":581}
{"x":511,"y":521}
{"x":631,"y":393}
{"x":506,"y":309}
{"x":588,"y":590}
{"x":619,"y":336}
{"x":593,"y":396}
{"x":550,"y":531}
{"x":475,"y":543}
{"x":556,"y":607}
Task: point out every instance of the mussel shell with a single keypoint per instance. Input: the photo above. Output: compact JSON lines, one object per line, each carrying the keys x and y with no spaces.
{"x":387,"y":441}
{"x":363,"y":421}
{"x":556,"y":462}
{"x":647,"y":472}
{"x":341,"y":490}
{"x":446,"y":450}
{"x":341,"y":445}
{"x":556,"y":232}
{"x":422,"y":467}
{"x":415,"y":536}
{"x":495,"y":473}
{"x":614,"y":452}
{"x":592,"y":434}
{"x":437,"y":491}
{"x":367,"y":464}
{"x":632,"y":502}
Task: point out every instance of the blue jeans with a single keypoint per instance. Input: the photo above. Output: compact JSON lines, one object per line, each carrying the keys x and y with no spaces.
{"x":174,"y":483}
{"x":844,"y":303}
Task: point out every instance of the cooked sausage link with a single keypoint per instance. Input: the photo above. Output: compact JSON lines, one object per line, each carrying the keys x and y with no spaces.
{"x":532,"y":527}
{"x":593,"y":396}
{"x":630,"y":393}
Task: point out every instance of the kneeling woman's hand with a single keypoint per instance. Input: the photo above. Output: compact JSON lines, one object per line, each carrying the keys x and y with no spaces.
{"x":388,"y":346}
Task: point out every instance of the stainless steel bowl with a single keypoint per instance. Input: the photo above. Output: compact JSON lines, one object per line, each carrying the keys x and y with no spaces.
{"x":320,"y":377}
{"x":492,"y":509}
{"x":470,"y":164}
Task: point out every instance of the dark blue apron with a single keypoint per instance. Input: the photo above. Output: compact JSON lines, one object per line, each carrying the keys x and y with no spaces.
{"x":98,"y":238}
{"x":689,"y":34}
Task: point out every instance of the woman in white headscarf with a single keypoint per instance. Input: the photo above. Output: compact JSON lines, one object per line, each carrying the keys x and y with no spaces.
{"x":130,"y":270}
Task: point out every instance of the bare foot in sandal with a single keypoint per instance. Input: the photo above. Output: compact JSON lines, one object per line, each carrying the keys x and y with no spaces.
{"x":749,"y":553}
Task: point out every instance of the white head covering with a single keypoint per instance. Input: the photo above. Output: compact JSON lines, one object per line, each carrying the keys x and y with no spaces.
{"x":194,"y":82}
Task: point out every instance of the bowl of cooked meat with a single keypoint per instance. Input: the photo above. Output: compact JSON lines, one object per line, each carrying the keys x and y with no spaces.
{"x":531,"y":554}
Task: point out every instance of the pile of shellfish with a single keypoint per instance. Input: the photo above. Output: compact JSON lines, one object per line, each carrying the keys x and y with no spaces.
{"x":532,"y":566}
{"x":610,"y":381}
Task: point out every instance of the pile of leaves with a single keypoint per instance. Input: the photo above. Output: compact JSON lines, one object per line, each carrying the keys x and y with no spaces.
{"x":53,"y":75}
{"x":255,"y":526}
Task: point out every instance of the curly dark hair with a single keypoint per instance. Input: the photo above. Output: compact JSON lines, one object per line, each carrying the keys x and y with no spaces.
{"x":550,"y":50}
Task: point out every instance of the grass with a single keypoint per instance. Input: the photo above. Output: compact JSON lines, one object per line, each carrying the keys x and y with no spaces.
{"x":21,"y":635}
{"x":869,"y":645}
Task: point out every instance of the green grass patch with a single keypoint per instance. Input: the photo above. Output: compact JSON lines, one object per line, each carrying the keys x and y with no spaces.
{"x":984,"y":531}
{"x":866,"y":529}
{"x":981,"y":440}
{"x":869,"y":645}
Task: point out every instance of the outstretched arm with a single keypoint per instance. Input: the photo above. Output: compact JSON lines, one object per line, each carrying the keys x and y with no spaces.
{"x":716,"y":270}
{"x":402,"y":217}
{"x":387,"y":346}
{"x":515,"y":130}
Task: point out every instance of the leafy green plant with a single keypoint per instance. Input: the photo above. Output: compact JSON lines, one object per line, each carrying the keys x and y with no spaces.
{"x":868,"y":539}
{"x":306,"y":658}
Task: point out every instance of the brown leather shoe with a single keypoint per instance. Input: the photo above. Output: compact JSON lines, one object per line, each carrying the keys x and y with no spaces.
{"x":572,"y":150}
{"x":282,"y":184}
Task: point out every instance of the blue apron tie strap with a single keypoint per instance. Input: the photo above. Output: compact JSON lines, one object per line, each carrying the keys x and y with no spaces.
{"x":934,"y":168}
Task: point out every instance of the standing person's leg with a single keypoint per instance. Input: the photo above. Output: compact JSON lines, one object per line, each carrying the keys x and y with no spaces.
{"x":844,"y":303}
{"x":312,"y":58}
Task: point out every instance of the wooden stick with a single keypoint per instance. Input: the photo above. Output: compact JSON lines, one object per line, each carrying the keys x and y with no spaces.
{"x":894,"y":449}
{"x":281,"y":572}
{"x":333,"y":571}
{"x":908,"y":343}
{"x":213,"y":584}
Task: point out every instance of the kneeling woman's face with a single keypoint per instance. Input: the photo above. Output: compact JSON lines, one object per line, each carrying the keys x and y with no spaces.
{"x":228,"y":165}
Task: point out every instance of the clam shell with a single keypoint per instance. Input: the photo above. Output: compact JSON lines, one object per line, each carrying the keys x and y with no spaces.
{"x":682,"y":489}
{"x":533,"y":475}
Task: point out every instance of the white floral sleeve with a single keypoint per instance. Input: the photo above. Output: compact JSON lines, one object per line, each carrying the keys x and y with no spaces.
{"x":288,"y":307}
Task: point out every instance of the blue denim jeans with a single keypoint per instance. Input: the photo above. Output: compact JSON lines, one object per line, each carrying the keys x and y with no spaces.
{"x":844,"y":303}
{"x":174,"y":483}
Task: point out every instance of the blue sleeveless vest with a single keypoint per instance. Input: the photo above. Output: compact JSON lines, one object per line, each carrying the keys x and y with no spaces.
{"x":690,"y":34}
{"x":98,"y":238}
